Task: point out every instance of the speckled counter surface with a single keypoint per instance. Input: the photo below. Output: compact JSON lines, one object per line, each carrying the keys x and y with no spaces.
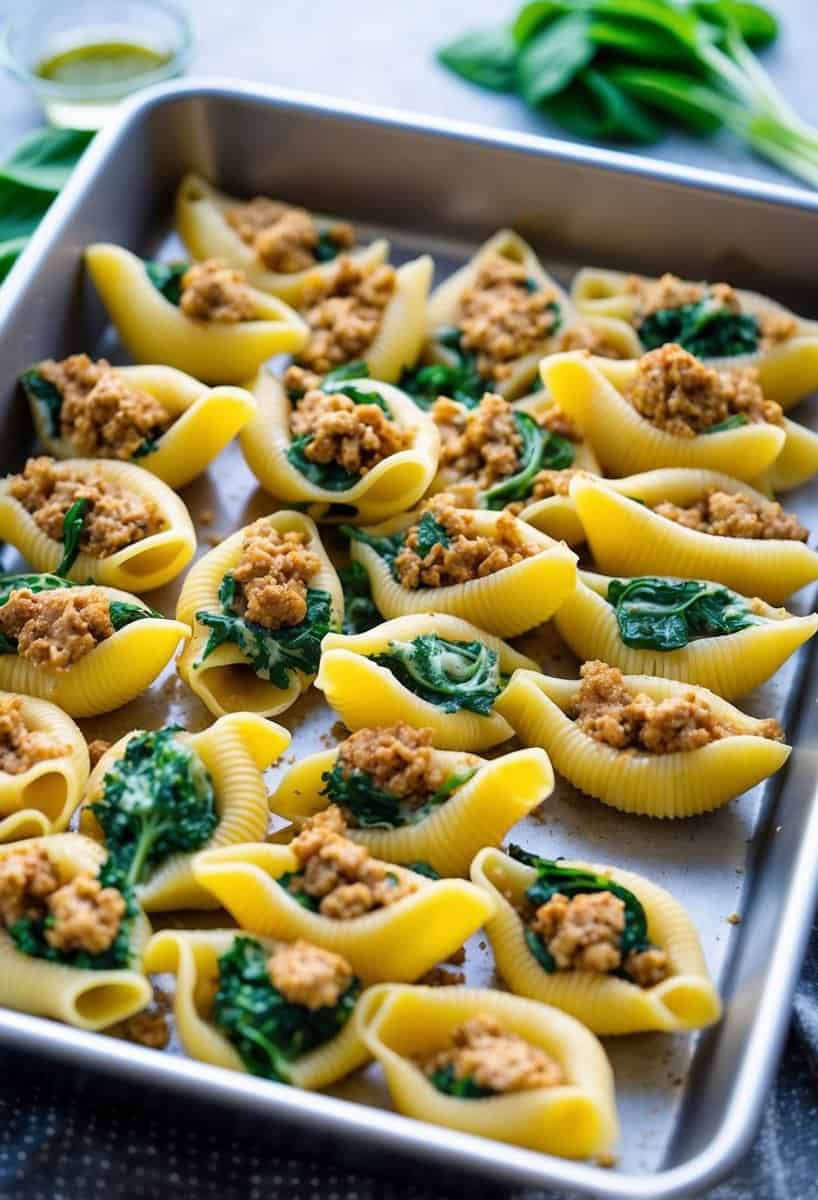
{"x":60,"y":1139}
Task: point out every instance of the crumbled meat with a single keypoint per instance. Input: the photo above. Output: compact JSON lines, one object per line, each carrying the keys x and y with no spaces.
{"x":212,"y":291}
{"x":96,"y":749}
{"x":581,"y":336}
{"x":556,"y":421}
{"x":356,"y":436}
{"x":500,"y":1062}
{"x":101,"y":415}
{"x":83,"y":915}
{"x":681,"y":395}
{"x":482,"y":443}
{"x":503,"y":318}
{"x":735,"y":514}
{"x":552,"y":483}
{"x":27,"y":878}
{"x":344,"y":309}
{"x":398,"y":759}
{"x":272,"y":576}
{"x":114,"y":518}
{"x":775,"y":327}
{"x":669,"y":291}
{"x":468,"y":555}
{"x":56,"y":629}
{"x":284,"y":238}
{"x":147,"y":1028}
{"x":21,"y":747}
{"x":609,"y":712}
{"x":308,"y":975}
{"x":647,"y":967}
{"x":348,"y":882}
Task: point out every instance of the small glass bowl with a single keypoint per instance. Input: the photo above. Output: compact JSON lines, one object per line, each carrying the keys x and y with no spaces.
{"x":45,"y":28}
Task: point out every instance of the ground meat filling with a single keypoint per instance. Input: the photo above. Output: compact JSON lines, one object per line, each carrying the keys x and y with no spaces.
{"x":481,"y":444}
{"x":737,"y":515}
{"x":552,"y":483}
{"x":56,"y":629}
{"x":669,"y":291}
{"x":468,"y":555}
{"x":582,"y":336}
{"x":80,"y":914}
{"x":503,"y":318}
{"x":284,"y":238}
{"x":344,"y":310}
{"x":398,"y":759}
{"x":114,"y":518}
{"x":101,"y":416}
{"x":212,"y":291}
{"x":308,"y":975}
{"x":682,"y":396}
{"x":272,"y":576}
{"x":501,"y":1062}
{"x":609,"y":712}
{"x":584,"y":934}
{"x":22,"y":748}
{"x":340,"y":874}
{"x":356,"y":436}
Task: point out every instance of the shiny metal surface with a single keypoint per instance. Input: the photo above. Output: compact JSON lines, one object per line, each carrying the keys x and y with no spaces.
{"x":689,"y":1106}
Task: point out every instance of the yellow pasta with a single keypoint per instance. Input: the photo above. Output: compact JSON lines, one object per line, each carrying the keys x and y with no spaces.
{"x":235,"y":750}
{"x":505,"y":603}
{"x":604,"y":1003}
{"x":797,"y":462}
{"x":365,"y":693}
{"x":399,"y":942}
{"x":575,"y":1119}
{"x":479,"y":813}
{"x":628,"y":538}
{"x":86,"y":998}
{"x":679,"y":784}
{"x":730,"y":664}
{"x":115,"y":671}
{"x":788,"y":369}
{"x":392,"y":485}
{"x":200,"y":220}
{"x":204,"y":421}
{"x":153,"y":329}
{"x":590,"y":390}
{"x":226,"y":681}
{"x":143,"y":565}
{"x":41,"y":799}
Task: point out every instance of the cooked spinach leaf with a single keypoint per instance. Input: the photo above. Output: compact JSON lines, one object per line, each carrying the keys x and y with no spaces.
{"x":733,"y":422}
{"x":375,"y":808}
{"x":445,"y":1080}
{"x":167,"y":278}
{"x":331,"y":476}
{"x":541,"y":450}
{"x":123,"y":613}
{"x":72,"y":526}
{"x":268,"y":1031}
{"x":149,"y":445}
{"x":423,"y":868}
{"x":452,"y":675}
{"x":387,"y":546}
{"x":460,"y":380}
{"x":430,"y":534}
{"x":41,"y":582}
{"x":666,"y":614}
{"x":704,"y":328}
{"x":327,"y":248}
{"x":360,"y":612}
{"x":351,"y":370}
{"x":303,"y":898}
{"x":46,"y":396}
{"x":273,"y":653}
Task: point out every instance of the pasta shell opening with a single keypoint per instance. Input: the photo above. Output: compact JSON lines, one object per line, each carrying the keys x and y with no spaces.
{"x":691,"y":1002}
{"x":47,"y":794}
{"x":236,"y":686}
{"x":99,"y":1004}
{"x":158,"y":559}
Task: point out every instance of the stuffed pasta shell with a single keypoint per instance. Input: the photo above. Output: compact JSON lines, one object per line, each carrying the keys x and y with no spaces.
{"x":387,"y":921}
{"x":494,"y":1065}
{"x":198,"y":791}
{"x":641,"y":966}
{"x":97,"y":521}
{"x":203,"y":318}
{"x":258,"y":605}
{"x":88,"y":649}
{"x":154,"y":416}
{"x":43,"y":767}
{"x":643,"y":744}
{"x":406,"y":801}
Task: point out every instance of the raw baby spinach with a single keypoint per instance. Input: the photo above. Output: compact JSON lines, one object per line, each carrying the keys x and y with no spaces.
{"x":666,"y":614}
{"x":540,"y":450}
{"x":704,"y":328}
{"x":375,"y":808}
{"x":452,"y":675}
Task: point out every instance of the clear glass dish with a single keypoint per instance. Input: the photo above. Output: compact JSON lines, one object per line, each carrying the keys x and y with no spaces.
{"x":44,"y":31}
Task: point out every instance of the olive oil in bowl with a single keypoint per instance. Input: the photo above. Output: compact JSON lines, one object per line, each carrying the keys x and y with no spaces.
{"x":101,"y":62}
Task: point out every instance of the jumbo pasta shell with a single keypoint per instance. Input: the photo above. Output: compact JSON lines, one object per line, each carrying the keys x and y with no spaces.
{"x":364,"y":693}
{"x":630,"y":539}
{"x":479,"y":813}
{"x":399,"y":942}
{"x":797,"y":462}
{"x":154,"y":330}
{"x":235,"y":750}
{"x":200,"y":220}
{"x":140,"y":567}
{"x":605,"y":1004}
{"x":731,"y":664}
{"x":680,"y":784}
{"x":42,"y":799}
{"x":576,"y":1119}
{"x":225,"y":681}
{"x":393,"y":485}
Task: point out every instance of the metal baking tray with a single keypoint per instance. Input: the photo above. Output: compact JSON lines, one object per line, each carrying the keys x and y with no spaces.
{"x":689,"y":1106}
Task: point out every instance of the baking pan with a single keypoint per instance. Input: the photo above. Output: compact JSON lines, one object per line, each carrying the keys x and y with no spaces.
{"x":689,"y":1106}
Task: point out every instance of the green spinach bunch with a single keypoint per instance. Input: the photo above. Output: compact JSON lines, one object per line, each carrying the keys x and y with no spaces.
{"x":272,"y":653}
{"x":704,"y":328}
{"x":451,"y":675}
{"x":666,"y":614}
{"x":541,"y":450}
{"x":267,"y":1031}
{"x":459,"y":379}
{"x":375,"y":808}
